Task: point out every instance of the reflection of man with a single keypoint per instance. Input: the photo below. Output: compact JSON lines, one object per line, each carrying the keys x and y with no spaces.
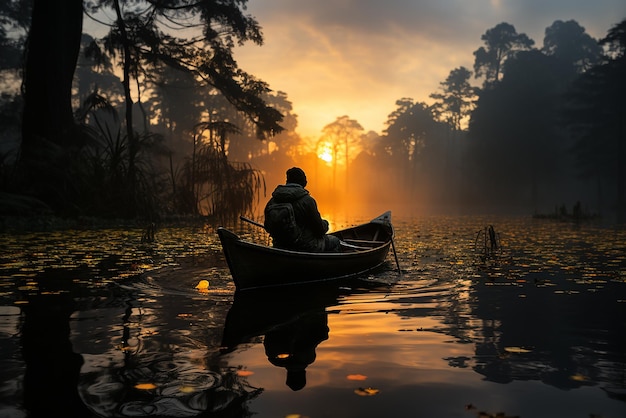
{"x":292,"y":346}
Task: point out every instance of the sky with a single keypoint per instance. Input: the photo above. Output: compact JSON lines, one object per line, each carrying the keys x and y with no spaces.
{"x":358,"y":57}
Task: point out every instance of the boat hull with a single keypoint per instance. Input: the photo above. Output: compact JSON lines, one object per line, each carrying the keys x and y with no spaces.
{"x":253,"y":265}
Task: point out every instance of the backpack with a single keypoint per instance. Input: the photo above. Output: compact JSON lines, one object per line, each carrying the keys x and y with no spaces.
{"x":280,"y":222}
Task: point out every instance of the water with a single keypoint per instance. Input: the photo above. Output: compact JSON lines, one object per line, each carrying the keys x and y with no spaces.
{"x":94,"y":323}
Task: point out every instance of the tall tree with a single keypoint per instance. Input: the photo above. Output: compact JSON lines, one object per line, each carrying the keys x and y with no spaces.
{"x":343,"y":135}
{"x":411,"y":135}
{"x":143,"y":34}
{"x":501,"y":43}
{"x":569,"y":43}
{"x":51,"y":55}
{"x":515,"y":141}
{"x":595,"y":116}
{"x":457,"y":98}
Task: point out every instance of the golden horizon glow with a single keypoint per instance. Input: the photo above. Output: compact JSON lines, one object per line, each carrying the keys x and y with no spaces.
{"x":355,"y":68}
{"x":325,"y":154}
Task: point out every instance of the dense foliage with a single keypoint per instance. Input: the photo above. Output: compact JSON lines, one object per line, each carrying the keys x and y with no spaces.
{"x":159,"y":120}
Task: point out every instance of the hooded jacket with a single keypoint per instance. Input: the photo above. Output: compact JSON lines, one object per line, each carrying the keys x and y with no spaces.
{"x":308,"y":218}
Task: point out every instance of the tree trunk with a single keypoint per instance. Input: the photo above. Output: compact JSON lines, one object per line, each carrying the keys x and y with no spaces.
{"x":51,"y":54}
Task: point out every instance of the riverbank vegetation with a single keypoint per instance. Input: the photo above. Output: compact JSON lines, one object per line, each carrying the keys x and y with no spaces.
{"x":150,"y":118}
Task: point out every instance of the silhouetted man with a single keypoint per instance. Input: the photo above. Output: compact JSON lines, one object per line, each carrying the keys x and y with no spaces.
{"x":293,"y":220}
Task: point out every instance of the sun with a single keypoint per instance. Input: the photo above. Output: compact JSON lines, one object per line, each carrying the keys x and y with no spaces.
{"x":324,"y":152}
{"x":325,"y":155}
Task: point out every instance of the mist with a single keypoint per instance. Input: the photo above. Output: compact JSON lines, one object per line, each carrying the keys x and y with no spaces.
{"x":533,"y":129}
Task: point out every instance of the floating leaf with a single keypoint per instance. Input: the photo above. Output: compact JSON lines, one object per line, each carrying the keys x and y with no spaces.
{"x":145,"y":386}
{"x":366,"y":391}
{"x":356,"y":377}
{"x":203,"y":285}
{"x":244,"y":373}
{"x":516,"y":350}
{"x":283,"y":355}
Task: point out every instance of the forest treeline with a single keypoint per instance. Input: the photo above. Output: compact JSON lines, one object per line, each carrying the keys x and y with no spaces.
{"x":154,"y":118}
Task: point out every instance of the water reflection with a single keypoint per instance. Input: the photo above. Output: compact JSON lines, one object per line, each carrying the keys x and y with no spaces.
{"x":52,"y":367}
{"x":290,"y":321}
{"x":536,"y":331}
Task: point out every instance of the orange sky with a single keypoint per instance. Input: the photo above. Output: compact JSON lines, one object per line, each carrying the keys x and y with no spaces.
{"x":357,"y":57}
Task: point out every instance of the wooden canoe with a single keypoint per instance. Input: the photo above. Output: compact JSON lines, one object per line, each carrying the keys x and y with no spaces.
{"x":364,"y":248}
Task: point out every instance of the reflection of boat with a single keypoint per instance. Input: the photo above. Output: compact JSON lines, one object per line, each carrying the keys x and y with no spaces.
{"x":256,"y":312}
{"x":364,"y":247}
{"x":292,"y":321}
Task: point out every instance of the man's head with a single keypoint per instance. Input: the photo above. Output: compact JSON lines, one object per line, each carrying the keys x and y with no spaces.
{"x":296,"y":175}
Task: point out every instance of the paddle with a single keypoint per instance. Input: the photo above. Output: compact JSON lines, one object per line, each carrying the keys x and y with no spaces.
{"x":393,"y":246}
{"x":243,"y":218}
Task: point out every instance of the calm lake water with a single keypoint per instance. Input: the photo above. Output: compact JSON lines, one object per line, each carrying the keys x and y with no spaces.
{"x":97,"y":324}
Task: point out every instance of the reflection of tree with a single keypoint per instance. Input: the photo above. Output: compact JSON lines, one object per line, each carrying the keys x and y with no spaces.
{"x":161,"y":374}
{"x":565,"y":340}
{"x":52,"y":367}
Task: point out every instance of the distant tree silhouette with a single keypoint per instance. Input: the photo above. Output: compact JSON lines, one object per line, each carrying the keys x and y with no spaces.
{"x":415,"y":143}
{"x":501,"y":43}
{"x":514,"y":139}
{"x":595,"y":115}
{"x":568,"y":42}
{"x":344,"y":135}
{"x":457,"y":98}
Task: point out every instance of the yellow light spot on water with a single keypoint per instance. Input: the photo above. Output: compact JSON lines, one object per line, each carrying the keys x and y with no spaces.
{"x":203,"y":286}
{"x":145,"y":386}
{"x":283,"y":355}
{"x":366,"y":391}
{"x":187,"y":389}
{"x":356,"y":377}
{"x":244,"y":373}
{"x":578,"y":377}
{"x":516,"y":350}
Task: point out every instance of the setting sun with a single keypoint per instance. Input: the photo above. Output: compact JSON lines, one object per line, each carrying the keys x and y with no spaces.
{"x":324,"y":153}
{"x":326,"y":156}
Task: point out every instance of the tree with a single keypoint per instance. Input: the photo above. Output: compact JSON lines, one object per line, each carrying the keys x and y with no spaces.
{"x":569,"y":43}
{"x":594,"y":116}
{"x":51,"y":55}
{"x":49,"y":138}
{"x":413,"y":141}
{"x":502,"y":42}
{"x":457,"y":99}
{"x":343,"y":135}
{"x":142,"y":37}
{"x":516,"y":143}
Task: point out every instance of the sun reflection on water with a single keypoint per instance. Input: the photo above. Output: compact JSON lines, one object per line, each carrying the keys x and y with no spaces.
{"x":545,"y":316}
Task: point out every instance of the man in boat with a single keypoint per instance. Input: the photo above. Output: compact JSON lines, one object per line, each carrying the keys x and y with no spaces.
{"x":293,"y":220}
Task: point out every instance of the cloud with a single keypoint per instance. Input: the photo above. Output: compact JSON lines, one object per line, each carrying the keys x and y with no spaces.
{"x":357,"y":57}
